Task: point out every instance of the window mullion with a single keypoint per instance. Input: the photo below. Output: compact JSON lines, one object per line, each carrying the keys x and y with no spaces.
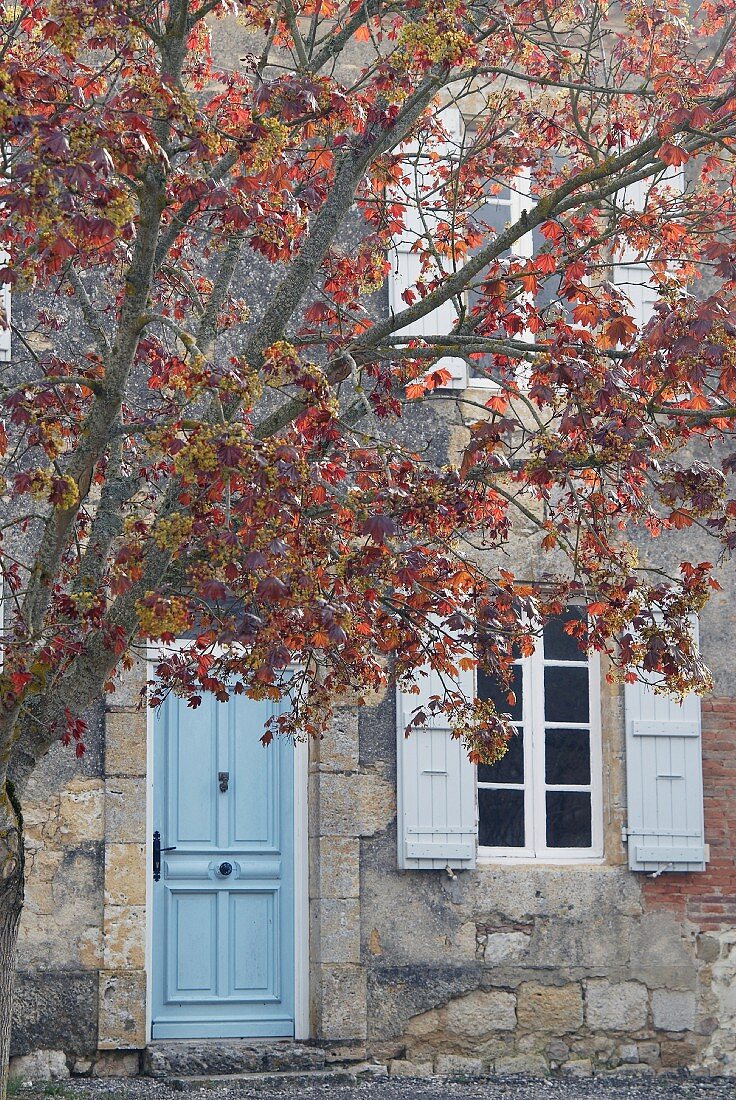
{"x":527,"y":709}
{"x":536,"y":737}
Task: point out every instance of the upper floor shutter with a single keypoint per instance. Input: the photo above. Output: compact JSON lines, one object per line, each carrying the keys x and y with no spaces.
{"x":630,"y":270}
{"x":406,"y":265}
{"x":437,"y":816}
{"x":664,"y":781}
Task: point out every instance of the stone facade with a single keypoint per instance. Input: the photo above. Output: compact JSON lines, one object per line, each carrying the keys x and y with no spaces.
{"x":579,"y":968}
{"x":507,"y":968}
{"x":510,"y":968}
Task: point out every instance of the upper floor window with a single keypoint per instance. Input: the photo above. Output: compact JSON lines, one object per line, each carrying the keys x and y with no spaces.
{"x":542,"y":800}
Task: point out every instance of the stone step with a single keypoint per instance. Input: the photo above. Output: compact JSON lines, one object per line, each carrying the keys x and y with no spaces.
{"x":181,"y":1058}
{"x":285,"y":1079}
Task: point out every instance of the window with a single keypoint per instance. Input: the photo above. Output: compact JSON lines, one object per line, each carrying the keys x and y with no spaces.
{"x":631,"y":269}
{"x":542,"y":800}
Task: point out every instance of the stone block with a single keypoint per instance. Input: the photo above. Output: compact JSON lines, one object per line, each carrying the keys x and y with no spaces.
{"x":354,"y":804}
{"x":675,"y":1054}
{"x":661,"y":956}
{"x":342,"y":1001}
{"x":338,"y":804}
{"x":501,"y":947}
{"x":122,"y":1019}
{"x":335,"y":866}
{"x":117,"y":1063}
{"x":377,"y":803}
{"x":708,"y":947}
{"x":125,"y":874}
{"x":577,"y":1067}
{"x":90,"y":948}
{"x":424,"y":1024}
{"x":339,"y":749}
{"x":125,"y":810}
{"x":531,"y":1065}
{"x":555,"y":1009}
{"x":481,"y":1013}
{"x":62,"y":922}
{"x":649,"y":1053}
{"x":615,"y":1006}
{"x":130,"y":685}
{"x":124,"y":937}
{"x":54,"y":1011}
{"x":82,"y":811}
{"x":628,"y":1052}
{"x":335,"y":924}
{"x":125,"y":742}
{"x":557,"y":1051}
{"x":450,"y":1064}
{"x":673,"y":1010}
{"x":370,"y":1071}
{"x":399,"y":1067}
{"x":42,"y":1065}
{"x":638,"y":1070}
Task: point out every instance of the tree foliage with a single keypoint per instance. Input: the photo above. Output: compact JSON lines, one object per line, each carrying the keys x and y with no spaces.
{"x":203,"y":414}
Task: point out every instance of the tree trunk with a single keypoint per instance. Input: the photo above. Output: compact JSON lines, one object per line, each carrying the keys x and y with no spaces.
{"x":11,"y":906}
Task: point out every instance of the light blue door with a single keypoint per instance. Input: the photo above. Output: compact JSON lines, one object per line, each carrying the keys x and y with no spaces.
{"x":223,"y":907}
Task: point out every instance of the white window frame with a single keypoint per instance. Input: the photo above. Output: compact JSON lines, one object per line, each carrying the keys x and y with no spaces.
{"x":520,"y":200}
{"x":534,"y":786}
{"x":630,"y":270}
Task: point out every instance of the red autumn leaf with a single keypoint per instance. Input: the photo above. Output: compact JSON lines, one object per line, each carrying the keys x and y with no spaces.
{"x":673,"y":155}
{"x":379,"y":527}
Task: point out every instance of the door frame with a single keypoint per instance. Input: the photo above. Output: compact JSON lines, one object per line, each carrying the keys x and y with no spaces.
{"x":301,"y":867}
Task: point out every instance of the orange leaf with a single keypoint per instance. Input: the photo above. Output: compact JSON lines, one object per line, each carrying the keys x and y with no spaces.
{"x":673,"y":154}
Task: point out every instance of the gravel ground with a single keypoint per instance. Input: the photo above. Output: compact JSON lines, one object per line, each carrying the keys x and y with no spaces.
{"x":618,"y":1087}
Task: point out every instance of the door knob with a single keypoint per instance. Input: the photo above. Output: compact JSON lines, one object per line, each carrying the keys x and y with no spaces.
{"x":225,"y":869}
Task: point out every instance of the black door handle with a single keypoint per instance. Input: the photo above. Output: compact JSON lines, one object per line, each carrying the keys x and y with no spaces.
{"x":225,"y":869}
{"x":157,"y":850}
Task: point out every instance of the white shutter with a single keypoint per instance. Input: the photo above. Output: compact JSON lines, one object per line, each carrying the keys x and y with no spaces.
{"x":4,"y":314}
{"x":630,"y":270}
{"x":437,"y":815}
{"x":406,"y":265}
{"x":664,"y":779}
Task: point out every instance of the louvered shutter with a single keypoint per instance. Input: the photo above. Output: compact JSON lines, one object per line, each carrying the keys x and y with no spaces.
{"x":406,"y":267}
{"x":664,"y":781}
{"x":630,"y":270}
{"x":437,"y":816}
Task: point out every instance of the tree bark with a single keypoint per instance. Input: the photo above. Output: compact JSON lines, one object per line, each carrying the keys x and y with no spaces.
{"x":11,"y":906}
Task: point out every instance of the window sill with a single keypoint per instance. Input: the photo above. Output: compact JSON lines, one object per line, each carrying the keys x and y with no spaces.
{"x":492,"y":859}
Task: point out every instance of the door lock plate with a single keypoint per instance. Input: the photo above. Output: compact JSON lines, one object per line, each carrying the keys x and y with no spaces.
{"x":224,"y":780}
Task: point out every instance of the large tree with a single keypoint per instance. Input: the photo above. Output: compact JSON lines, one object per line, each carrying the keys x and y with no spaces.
{"x":205,"y":403}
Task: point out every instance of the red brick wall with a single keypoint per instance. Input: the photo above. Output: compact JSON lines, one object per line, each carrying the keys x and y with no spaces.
{"x":708,"y":898}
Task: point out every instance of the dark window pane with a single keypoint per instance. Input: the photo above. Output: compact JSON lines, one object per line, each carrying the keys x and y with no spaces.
{"x":510,"y":768}
{"x":567,"y":756}
{"x":568,"y":819}
{"x":489,"y":688}
{"x":558,"y":645}
{"x":501,"y":819}
{"x":566,"y":694}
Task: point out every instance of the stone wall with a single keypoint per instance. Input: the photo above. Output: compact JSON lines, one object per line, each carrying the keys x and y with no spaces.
{"x":80,"y":994}
{"x":535,"y":968}
{"x":61,"y":936}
